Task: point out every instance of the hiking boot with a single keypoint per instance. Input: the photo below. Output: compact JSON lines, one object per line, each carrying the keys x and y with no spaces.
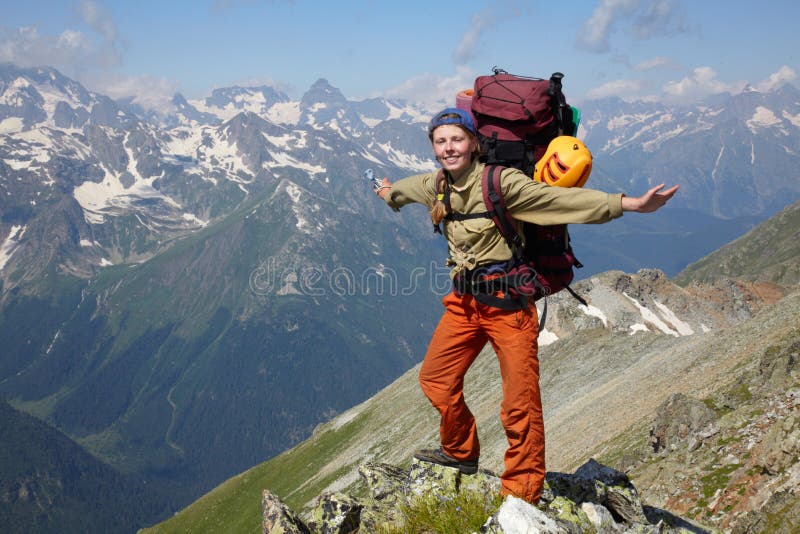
{"x":437,"y":456}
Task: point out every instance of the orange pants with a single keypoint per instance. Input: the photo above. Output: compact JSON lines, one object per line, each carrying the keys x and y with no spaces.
{"x":462,"y":333}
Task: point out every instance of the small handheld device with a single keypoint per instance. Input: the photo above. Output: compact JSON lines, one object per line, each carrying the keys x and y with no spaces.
{"x":370,"y":176}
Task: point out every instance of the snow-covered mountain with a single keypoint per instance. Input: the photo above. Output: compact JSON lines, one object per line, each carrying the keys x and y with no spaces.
{"x":158,"y":274}
{"x":733,"y":158}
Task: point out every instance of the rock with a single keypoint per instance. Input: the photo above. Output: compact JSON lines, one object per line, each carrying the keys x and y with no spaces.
{"x":599,"y":516}
{"x":384,"y":482}
{"x":427,"y":477}
{"x":778,"y":448}
{"x":571,"y":514}
{"x":278,"y":518}
{"x":387,"y":487}
{"x":484,"y":481}
{"x":335,"y":513}
{"x":594,"y":499}
{"x":518,"y":516}
{"x":679,"y":418}
{"x":596,"y":483}
{"x":779,"y":515}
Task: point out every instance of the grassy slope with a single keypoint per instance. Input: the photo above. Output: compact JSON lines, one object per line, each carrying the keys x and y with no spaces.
{"x":588,"y":403}
{"x":600,"y":391}
{"x":767,"y":253}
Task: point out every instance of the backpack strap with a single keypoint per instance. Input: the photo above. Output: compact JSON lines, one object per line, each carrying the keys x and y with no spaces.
{"x":443,"y":185}
{"x":496,"y":204}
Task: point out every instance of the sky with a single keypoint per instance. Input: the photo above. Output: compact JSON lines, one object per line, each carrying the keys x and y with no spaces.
{"x":676,"y":51}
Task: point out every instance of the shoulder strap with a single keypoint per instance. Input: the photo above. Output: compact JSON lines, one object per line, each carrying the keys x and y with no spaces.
{"x":496,"y":204}
{"x":443,"y":194}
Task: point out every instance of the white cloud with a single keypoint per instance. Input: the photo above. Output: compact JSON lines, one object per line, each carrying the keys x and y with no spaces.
{"x":700,"y":83}
{"x":72,"y":51}
{"x":434,"y":90}
{"x":660,"y":17}
{"x":149,"y":92}
{"x":26,"y":47}
{"x":653,"y":18}
{"x":595,"y":31}
{"x":465,"y":50}
{"x":620,"y":88}
{"x":784,"y":75}
{"x":655,"y":63}
{"x":99,"y":19}
{"x":87,"y":56}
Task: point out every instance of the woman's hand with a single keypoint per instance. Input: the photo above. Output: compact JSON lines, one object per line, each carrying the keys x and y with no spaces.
{"x":650,"y":201}
{"x":384,"y":189}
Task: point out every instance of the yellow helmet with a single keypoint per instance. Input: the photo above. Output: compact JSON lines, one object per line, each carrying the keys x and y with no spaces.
{"x":567,"y":163}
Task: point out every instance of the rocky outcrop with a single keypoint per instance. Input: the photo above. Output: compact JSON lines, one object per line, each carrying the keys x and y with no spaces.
{"x":595,"y":498}
{"x":682,"y":417}
{"x":732,"y":459}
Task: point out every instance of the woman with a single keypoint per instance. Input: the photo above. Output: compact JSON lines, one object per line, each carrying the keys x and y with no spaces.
{"x":475,"y":244}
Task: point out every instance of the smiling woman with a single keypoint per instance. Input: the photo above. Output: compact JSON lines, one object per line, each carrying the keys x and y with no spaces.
{"x":476,"y":311}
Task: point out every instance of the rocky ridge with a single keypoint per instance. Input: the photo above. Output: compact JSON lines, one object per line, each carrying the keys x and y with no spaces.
{"x":595,"y":498}
{"x":732,"y":458}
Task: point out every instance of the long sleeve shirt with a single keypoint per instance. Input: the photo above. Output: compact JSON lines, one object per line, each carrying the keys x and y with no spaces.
{"x":478,"y":242}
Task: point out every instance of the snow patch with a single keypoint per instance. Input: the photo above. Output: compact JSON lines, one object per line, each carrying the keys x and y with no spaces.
{"x":683,"y":328}
{"x":284,"y":113}
{"x":282,"y":159}
{"x":11,"y":125}
{"x":10,"y":244}
{"x":594,"y":312}
{"x":546,"y":337}
{"x":638,"y":327}
{"x":191,"y":217}
{"x":652,"y":318}
{"x":406,"y":161}
{"x":794,"y":119}
{"x":762,"y":118}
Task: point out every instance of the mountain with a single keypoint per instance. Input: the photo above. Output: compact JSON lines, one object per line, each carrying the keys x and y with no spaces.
{"x":187,"y":295}
{"x":48,"y":483}
{"x":156,"y":282}
{"x":768,"y":253}
{"x":749,"y":142}
{"x":691,"y":391}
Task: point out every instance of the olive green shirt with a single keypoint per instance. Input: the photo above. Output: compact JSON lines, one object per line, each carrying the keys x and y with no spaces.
{"x":478,"y":242}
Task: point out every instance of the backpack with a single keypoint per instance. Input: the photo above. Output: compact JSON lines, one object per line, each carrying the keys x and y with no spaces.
{"x":516,"y":118}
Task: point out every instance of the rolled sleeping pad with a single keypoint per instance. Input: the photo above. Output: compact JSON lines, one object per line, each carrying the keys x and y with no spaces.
{"x":464,"y":101}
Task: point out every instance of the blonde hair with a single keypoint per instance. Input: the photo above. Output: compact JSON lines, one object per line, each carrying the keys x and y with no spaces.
{"x":438,"y":209}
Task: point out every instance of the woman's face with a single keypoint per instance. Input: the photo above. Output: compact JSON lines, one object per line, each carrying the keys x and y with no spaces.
{"x":453,"y":147}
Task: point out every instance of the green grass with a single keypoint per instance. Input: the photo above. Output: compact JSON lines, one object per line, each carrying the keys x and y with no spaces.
{"x":435,"y":514}
{"x":717,"y":479}
{"x":235,"y":505}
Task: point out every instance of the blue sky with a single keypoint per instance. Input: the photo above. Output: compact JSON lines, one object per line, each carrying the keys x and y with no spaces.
{"x":671,"y":50}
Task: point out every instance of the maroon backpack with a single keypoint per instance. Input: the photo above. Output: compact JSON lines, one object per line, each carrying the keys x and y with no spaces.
{"x":517,"y":117}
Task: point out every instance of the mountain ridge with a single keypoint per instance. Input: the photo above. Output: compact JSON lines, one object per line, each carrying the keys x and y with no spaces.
{"x":608,"y":371}
{"x":209,"y":266}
